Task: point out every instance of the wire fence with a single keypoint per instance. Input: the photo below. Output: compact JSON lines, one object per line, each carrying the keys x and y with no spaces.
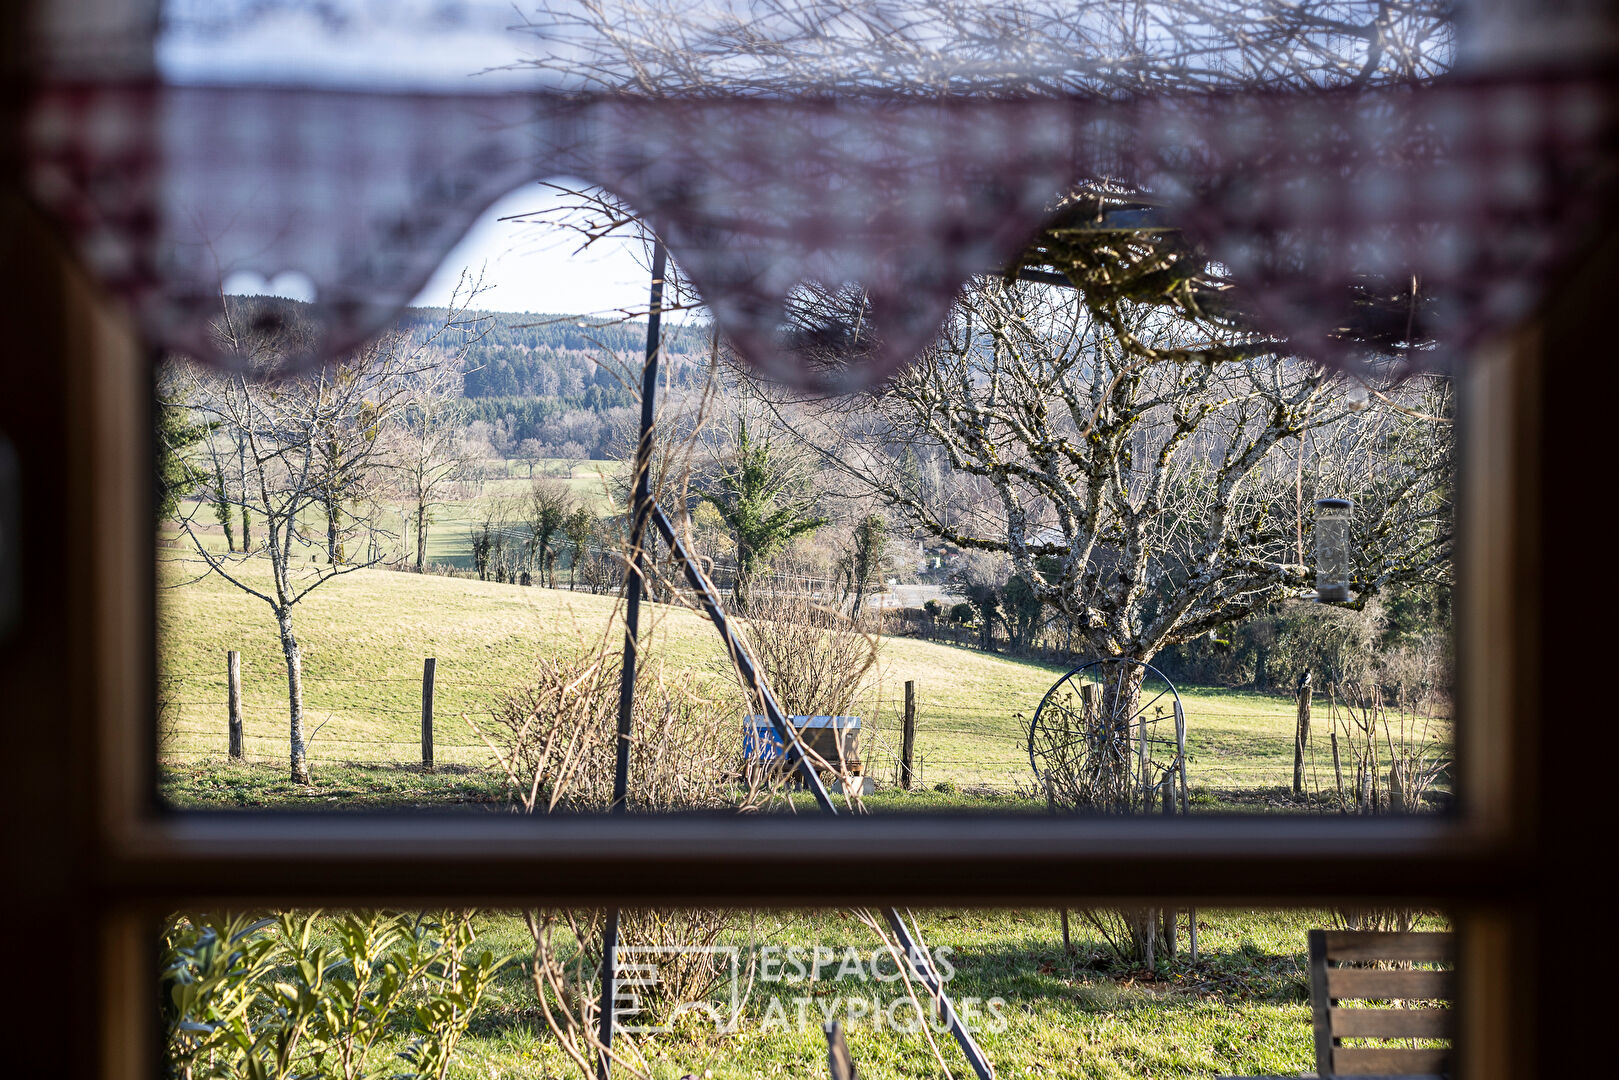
{"x":378,"y":719}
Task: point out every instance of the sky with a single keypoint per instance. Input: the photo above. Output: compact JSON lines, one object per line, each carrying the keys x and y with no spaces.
{"x":532,"y":266}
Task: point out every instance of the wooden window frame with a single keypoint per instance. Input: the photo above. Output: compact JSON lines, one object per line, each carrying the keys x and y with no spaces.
{"x":96,"y":862}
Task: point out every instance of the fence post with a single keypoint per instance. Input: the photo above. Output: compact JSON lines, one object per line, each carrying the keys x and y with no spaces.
{"x":1180,"y":755}
{"x":233,"y":673}
{"x":1301,"y":737}
{"x":427,"y":711}
{"x":908,"y":738}
{"x":1146,"y":784}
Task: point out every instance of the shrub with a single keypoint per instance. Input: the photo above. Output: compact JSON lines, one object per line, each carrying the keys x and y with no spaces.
{"x":816,"y":660}
{"x":261,"y":998}
{"x":556,"y":739}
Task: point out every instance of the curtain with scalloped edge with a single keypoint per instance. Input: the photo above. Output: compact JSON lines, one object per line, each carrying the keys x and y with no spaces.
{"x":1389,"y":226}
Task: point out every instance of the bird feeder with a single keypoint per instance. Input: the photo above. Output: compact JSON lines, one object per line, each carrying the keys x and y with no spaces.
{"x":1332,"y":521}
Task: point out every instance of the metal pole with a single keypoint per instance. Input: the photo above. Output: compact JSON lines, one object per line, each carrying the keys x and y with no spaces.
{"x":920,"y":960}
{"x":639,"y":509}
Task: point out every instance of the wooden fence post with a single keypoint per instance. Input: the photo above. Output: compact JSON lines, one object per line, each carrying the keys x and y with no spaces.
{"x":233,"y":673}
{"x":427,"y":711}
{"x":908,"y":738}
{"x":1301,"y":738}
{"x":1141,"y":756}
{"x":1180,"y":755}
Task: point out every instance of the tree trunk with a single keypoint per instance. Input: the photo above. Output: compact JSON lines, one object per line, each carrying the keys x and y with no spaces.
{"x":334,"y":548}
{"x":295,"y":696}
{"x":742,"y":586}
{"x":1121,"y":693}
{"x":421,"y":534}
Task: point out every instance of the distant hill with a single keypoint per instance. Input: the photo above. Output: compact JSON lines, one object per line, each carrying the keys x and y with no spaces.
{"x":555,"y":356}
{"x":560,"y":381}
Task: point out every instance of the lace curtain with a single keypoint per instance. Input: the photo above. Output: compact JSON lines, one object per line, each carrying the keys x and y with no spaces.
{"x":1460,"y":193}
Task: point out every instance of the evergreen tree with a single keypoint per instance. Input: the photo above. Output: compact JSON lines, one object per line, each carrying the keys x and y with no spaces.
{"x":174,"y":475}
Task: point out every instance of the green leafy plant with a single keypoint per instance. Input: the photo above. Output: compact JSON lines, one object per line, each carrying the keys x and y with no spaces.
{"x":316,"y":997}
{"x":462,"y":974}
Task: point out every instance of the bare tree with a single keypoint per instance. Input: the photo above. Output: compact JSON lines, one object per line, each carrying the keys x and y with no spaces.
{"x":346,"y":452}
{"x":1149,"y":501}
{"x":1089,"y":49}
{"x":1101,"y":48}
{"x":530,"y":452}
{"x":288,"y":431}
{"x":432,"y":455}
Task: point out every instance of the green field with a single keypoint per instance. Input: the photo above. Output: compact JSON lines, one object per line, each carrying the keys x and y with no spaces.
{"x":364,"y":636}
{"x":449,"y":540}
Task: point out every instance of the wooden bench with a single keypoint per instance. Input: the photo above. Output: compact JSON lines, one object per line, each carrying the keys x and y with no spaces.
{"x":1352,"y":965}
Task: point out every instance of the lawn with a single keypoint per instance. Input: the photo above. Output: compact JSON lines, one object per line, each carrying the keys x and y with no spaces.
{"x":1242,"y":1009}
{"x":364,"y":636}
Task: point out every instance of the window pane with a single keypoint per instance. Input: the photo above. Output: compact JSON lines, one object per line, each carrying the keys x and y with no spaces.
{"x":1229,"y":592}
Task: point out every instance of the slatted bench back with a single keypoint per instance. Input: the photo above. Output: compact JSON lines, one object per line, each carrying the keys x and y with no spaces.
{"x":1338,"y":973}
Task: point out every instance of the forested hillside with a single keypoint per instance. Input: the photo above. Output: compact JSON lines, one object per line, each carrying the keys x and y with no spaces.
{"x":523,"y":355}
{"x":549,"y":385}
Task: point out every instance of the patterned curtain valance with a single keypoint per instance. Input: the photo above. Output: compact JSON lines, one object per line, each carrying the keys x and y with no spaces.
{"x":1390,"y":225}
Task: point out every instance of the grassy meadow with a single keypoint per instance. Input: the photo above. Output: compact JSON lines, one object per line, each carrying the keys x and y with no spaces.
{"x":449,"y":540}
{"x":364,"y":636}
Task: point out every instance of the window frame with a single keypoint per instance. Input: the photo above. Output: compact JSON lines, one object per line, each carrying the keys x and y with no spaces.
{"x":105,"y":854}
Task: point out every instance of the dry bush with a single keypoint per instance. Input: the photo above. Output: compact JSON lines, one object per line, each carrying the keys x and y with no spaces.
{"x":815,"y":659}
{"x":1417,"y":676}
{"x":1383,"y":761}
{"x":556,"y":737}
{"x":566,"y":973}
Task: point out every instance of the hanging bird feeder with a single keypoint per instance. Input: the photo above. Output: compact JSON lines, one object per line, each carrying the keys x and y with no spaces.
{"x":1332,"y":561}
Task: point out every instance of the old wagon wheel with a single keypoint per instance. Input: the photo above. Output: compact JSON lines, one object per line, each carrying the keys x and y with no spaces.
{"x":1110,"y":737}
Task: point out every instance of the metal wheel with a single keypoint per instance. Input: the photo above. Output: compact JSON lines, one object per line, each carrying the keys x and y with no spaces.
{"x":1110,"y":737}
